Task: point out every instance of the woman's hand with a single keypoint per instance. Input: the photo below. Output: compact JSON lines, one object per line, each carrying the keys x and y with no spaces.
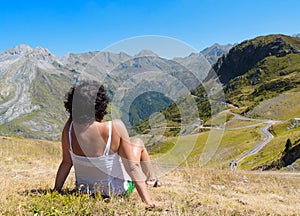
{"x":154,"y":204}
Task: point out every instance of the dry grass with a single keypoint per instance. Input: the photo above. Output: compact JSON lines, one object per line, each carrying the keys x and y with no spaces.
{"x":28,"y":170}
{"x":235,"y":124}
{"x":225,"y":145}
{"x":282,"y":107}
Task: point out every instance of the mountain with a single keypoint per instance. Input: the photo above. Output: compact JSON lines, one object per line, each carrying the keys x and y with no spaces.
{"x":148,"y":81}
{"x":200,"y":63}
{"x":297,"y":35}
{"x":31,"y":87}
{"x":94,"y":63}
{"x":247,"y":54}
{"x":252,"y":72}
{"x":146,"y":52}
{"x":214,"y":52}
{"x":261,"y":77}
{"x":196,"y":63}
{"x":34,"y":82}
{"x":258,"y":69}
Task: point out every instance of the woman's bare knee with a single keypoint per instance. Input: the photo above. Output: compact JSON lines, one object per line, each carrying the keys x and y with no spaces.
{"x":138,"y":142}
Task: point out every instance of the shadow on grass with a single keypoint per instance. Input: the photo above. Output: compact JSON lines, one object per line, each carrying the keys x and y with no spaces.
{"x":40,"y":191}
{"x":66,"y":192}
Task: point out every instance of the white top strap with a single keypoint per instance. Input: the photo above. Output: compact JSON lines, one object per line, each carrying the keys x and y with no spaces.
{"x":107,"y":147}
{"x":70,"y":136}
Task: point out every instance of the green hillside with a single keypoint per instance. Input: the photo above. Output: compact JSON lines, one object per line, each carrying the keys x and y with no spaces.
{"x":147,"y":104}
{"x":174,"y":113}
{"x":285,"y":106}
{"x":267,"y":79}
{"x":261,"y":77}
{"x":274,"y":150}
{"x":245,"y":56}
{"x":260,"y":69}
{"x":252,"y":72}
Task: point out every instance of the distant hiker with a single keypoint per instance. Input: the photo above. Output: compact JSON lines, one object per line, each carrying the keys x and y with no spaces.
{"x":233,"y":166}
{"x":104,"y":158}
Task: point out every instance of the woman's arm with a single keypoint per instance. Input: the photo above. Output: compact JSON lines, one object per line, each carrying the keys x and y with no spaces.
{"x":66,"y":164}
{"x":132,"y":164}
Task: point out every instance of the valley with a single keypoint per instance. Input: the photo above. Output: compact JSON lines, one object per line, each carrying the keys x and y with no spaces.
{"x":196,"y":114}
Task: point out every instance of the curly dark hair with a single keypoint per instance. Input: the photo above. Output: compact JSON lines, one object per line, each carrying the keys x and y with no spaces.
{"x":87,"y":101}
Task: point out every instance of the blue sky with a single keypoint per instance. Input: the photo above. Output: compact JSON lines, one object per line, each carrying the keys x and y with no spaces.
{"x":80,"y":26}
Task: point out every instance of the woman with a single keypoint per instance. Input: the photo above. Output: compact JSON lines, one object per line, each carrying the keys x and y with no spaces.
{"x":104,"y":158}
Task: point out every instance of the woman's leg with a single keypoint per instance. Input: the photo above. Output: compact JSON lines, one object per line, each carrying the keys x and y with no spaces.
{"x":142,"y":155}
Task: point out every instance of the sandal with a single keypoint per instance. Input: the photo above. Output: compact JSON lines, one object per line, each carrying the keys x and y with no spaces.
{"x":154,"y":183}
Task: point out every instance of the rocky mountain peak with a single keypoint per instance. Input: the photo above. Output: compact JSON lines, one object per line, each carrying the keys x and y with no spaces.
{"x":194,"y":54}
{"x":42,"y":51}
{"x":146,"y":52}
{"x":214,"y":52}
{"x":42,"y":54}
{"x":21,"y":49}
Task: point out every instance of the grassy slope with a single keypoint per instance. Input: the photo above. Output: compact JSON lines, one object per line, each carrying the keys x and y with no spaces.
{"x":226,"y":145}
{"x":283,"y":107}
{"x":239,"y":137}
{"x":28,"y":170}
{"x":269,"y":83}
{"x":269,"y":65}
{"x":183,"y":112}
{"x":270,"y":76}
{"x":219,"y":119}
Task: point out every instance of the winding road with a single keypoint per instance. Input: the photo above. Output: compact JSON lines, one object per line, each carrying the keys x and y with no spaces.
{"x":264,"y":130}
{"x":258,"y":147}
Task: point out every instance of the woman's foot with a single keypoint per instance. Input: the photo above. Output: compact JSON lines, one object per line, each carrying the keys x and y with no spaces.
{"x":154,"y":182}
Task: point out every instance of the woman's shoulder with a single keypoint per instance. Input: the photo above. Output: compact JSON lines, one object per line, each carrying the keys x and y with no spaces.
{"x":67,"y":126}
{"x":118,"y":125}
{"x":118,"y":122}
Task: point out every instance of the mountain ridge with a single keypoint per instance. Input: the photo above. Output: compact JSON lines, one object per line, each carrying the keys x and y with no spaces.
{"x":252,"y":71}
{"x":258,"y":48}
{"x":42,"y":73}
{"x":34,"y":81}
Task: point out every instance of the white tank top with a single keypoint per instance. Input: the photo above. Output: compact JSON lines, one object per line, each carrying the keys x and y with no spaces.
{"x":105,"y":174}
